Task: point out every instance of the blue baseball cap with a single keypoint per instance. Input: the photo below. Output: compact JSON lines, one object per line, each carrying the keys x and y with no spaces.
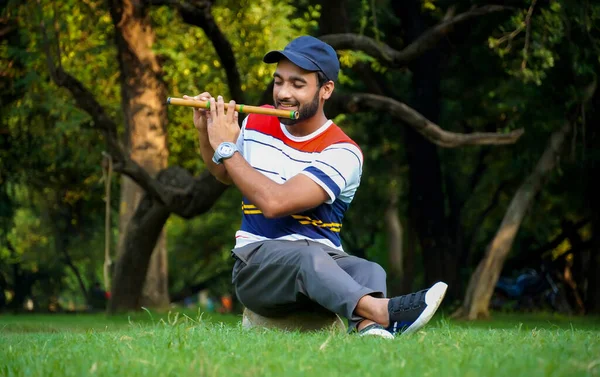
{"x":308,"y":53}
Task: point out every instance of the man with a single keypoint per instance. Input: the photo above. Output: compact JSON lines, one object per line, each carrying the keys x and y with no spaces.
{"x":298,"y":178}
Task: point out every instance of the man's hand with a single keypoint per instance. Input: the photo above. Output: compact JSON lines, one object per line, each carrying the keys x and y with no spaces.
{"x":222,"y":126}
{"x":206,"y":150}
{"x":199,"y":114}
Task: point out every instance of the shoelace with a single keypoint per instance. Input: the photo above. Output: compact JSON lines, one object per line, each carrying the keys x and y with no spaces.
{"x":409,"y":302}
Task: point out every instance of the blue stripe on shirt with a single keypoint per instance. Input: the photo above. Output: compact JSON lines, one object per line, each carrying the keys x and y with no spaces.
{"x":274,"y":147}
{"x":346,"y":149}
{"x":337,"y":171}
{"x":320,"y":175}
{"x":266,"y":171}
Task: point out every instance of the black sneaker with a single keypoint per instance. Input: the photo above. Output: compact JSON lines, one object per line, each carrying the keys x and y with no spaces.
{"x":375,"y":329}
{"x":411,"y":312}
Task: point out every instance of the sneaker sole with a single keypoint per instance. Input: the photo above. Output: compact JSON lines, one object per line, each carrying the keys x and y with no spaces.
{"x":382,"y":333}
{"x":433,"y":299}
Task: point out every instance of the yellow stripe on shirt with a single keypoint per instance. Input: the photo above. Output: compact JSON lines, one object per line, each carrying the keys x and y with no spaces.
{"x":250,"y":209}
{"x":305,"y":220}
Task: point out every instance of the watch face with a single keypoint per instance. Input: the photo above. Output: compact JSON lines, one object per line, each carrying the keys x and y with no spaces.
{"x":226,"y":150}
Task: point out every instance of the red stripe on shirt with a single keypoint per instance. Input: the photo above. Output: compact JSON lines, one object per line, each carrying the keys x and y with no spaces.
{"x":270,"y":125}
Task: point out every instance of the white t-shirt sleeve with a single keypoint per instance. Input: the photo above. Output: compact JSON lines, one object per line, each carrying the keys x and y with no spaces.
{"x":337,"y":169}
{"x":240,"y":140}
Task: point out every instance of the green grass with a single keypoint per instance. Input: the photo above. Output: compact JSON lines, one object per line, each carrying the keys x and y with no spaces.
{"x":186,"y":344}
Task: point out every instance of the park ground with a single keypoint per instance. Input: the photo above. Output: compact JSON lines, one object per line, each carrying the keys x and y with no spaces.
{"x":188,"y":343}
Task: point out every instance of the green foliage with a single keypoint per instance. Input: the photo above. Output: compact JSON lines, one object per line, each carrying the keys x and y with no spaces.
{"x":53,"y":160}
{"x":545,"y":84}
{"x":530,"y":42}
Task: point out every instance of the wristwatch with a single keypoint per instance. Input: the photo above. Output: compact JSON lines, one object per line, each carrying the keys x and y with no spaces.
{"x":224,"y":151}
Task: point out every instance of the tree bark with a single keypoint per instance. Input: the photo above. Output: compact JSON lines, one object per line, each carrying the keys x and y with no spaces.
{"x":393,"y":229}
{"x":482,"y":282}
{"x":330,"y":10}
{"x":131,"y":269}
{"x":143,"y":95}
{"x":410,"y":256}
{"x":592,"y":172}
{"x":426,"y":198}
{"x":592,"y":300}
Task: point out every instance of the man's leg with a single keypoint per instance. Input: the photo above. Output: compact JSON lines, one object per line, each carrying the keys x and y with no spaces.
{"x":368,"y":274}
{"x":274,"y":277}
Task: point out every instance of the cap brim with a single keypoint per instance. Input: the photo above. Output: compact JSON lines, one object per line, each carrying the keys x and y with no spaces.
{"x":297,"y":59}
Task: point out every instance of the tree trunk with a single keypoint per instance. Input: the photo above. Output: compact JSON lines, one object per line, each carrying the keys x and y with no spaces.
{"x":426,"y":198}
{"x":131,"y":269}
{"x":482,"y":282}
{"x":393,"y":229}
{"x":143,"y":98}
{"x":155,"y":293}
{"x":592,"y":171}
{"x":592,"y":299}
{"x":409,"y":260}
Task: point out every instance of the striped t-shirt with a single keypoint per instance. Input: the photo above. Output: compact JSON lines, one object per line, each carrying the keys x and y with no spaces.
{"x":327,"y":156}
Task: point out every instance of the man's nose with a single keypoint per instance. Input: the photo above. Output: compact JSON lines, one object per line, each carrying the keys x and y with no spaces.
{"x":284,"y":92}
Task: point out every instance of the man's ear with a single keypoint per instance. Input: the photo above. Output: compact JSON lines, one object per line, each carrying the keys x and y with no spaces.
{"x":327,"y":89}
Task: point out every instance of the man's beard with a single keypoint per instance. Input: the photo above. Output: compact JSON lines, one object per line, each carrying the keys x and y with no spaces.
{"x":304,"y":112}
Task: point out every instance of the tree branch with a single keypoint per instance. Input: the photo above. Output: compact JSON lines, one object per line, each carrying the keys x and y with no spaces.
{"x":394,"y":58}
{"x":358,"y":102}
{"x":527,"y":34}
{"x":86,"y":101}
{"x":198,"y":13}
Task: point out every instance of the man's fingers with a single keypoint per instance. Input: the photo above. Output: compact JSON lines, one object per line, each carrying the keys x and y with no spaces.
{"x":220,"y":107}
{"x":213,"y":107}
{"x":204,"y":96}
{"x":230,"y":111}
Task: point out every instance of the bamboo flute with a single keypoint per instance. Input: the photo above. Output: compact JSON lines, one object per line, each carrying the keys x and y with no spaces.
{"x":240,"y":108}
